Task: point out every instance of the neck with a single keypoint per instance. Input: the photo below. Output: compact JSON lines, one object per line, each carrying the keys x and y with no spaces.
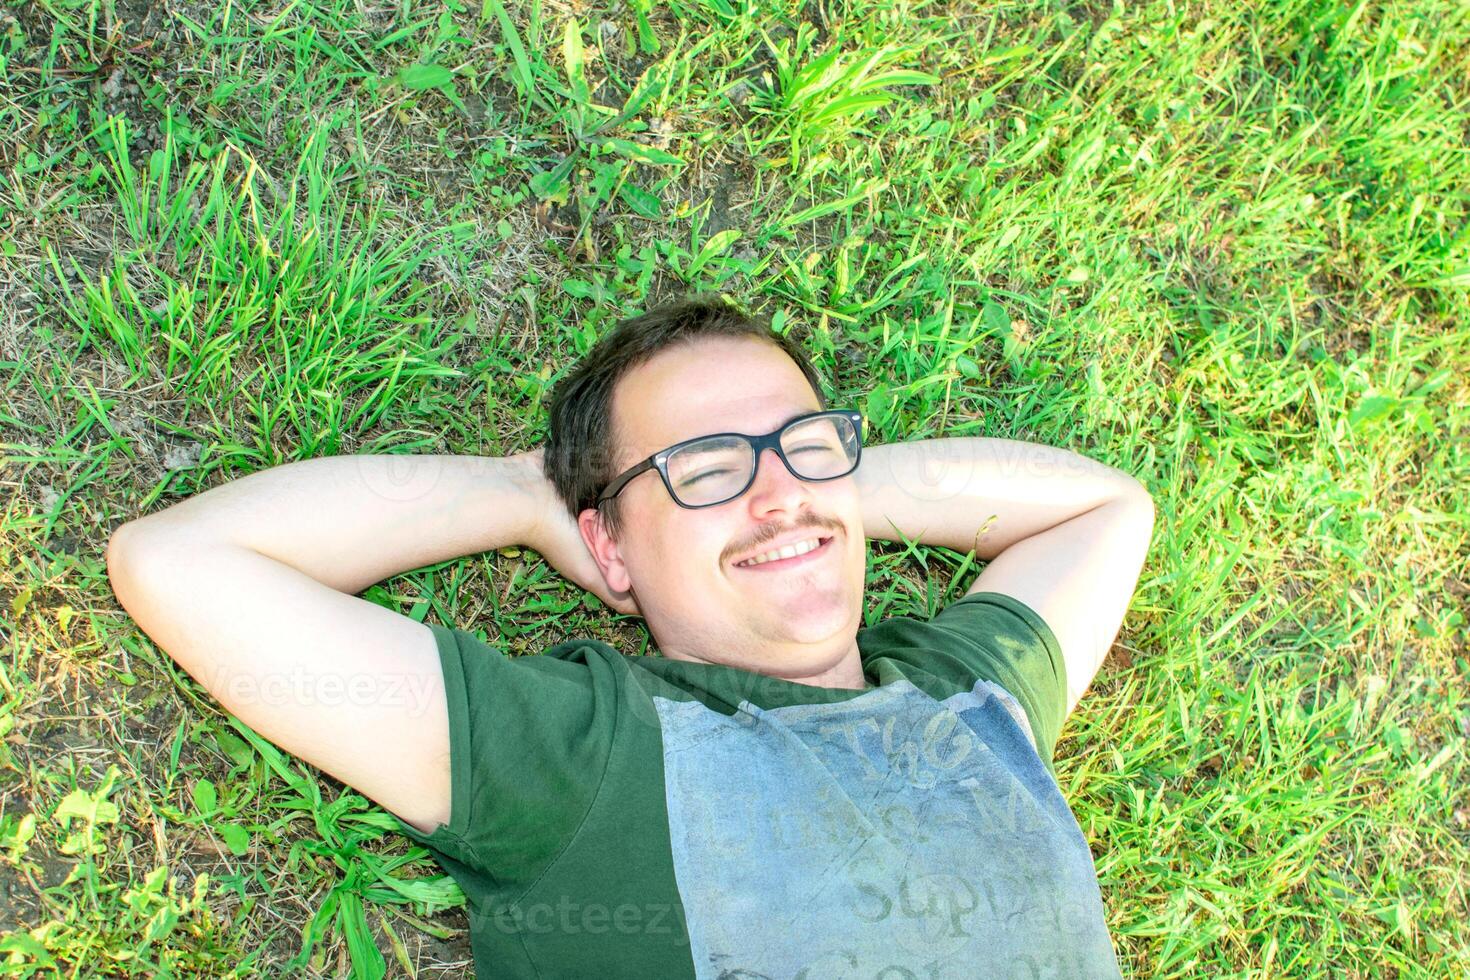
{"x":845,"y":674}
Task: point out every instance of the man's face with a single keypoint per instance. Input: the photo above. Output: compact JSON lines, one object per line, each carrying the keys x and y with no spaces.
{"x":791,"y":619}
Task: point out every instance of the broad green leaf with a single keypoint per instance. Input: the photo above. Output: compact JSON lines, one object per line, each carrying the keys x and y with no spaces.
{"x":236,"y":838}
{"x":644,"y":204}
{"x":316,"y":928}
{"x":554,"y":185}
{"x":879,"y":407}
{"x":579,"y":288}
{"x":720,"y":242}
{"x":367,"y":962}
{"x":16,"y":835}
{"x":419,"y":77}
{"x":1006,"y":54}
{"x":995,"y":317}
{"x":861,"y":192}
{"x":406,"y":31}
{"x":523,"y":76}
{"x":647,"y":40}
{"x":889,"y":78}
{"x":380,"y":596}
{"x":1372,"y":408}
{"x":651,"y":83}
{"x":573,"y":56}
{"x":1458,"y":279}
{"x":852,"y":105}
{"x":91,"y":808}
{"x":206,"y":798}
{"x":717,"y":244}
{"x":26,"y":945}
{"x":639,"y":153}
{"x":810,"y":79}
{"x":238,"y":752}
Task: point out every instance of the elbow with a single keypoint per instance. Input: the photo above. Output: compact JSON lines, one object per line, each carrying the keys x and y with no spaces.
{"x":119,"y":544}
{"x":122,"y":558}
{"x":126,"y":543}
{"x":1138,"y":504}
{"x":122,"y":573}
{"x":1122,"y":492}
{"x":1138,"y":495}
{"x":149,"y":572}
{"x":134,"y":554}
{"x":1128,"y":503}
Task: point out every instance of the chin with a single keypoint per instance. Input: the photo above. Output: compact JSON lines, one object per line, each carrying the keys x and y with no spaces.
{"x":838,"y":622}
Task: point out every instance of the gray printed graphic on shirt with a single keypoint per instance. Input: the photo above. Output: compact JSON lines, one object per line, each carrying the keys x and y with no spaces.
{"x":888,"y":836}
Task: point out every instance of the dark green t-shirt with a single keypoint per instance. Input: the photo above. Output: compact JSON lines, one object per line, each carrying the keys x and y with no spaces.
{"x":617,"y":816}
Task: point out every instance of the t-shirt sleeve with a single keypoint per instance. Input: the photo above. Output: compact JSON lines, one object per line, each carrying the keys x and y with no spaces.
{"x":992,"y":637}
{"x":529,"y":742}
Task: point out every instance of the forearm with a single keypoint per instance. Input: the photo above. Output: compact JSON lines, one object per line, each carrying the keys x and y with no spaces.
{"x":972,"y":493}
{"x":350,"y":521}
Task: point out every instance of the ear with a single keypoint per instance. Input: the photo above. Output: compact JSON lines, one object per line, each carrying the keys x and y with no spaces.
{"x":604,"y":550}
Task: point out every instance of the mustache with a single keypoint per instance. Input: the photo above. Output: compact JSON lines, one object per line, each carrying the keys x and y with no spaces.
{"x":767,"y":533}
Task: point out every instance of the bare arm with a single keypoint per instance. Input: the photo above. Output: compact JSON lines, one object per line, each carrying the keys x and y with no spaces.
{"x":249,"y":587}
{"x":1062,"y":533}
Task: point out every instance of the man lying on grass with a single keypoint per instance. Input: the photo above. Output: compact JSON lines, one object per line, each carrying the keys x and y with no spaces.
{"x":780,"y":794}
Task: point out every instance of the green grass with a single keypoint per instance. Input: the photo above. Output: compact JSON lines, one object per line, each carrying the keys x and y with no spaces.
{"x":1221,"y":246}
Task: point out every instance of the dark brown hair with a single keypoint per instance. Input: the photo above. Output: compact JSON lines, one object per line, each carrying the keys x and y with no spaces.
{"x":579,"y":455}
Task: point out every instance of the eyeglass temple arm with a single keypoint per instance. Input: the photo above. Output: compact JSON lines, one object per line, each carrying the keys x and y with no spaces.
{"x":616,"y":486}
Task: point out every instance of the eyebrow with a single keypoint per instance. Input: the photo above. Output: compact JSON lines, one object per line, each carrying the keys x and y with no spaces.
{"x":784,"y":422}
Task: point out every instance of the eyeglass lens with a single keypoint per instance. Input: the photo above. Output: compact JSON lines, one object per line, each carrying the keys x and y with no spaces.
{"x":714,"y":470}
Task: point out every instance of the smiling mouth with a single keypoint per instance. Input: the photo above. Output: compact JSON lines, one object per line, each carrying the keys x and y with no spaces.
{"x":788,"y":557}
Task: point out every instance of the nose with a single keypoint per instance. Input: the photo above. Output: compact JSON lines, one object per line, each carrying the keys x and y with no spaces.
{"x":775,"y":490}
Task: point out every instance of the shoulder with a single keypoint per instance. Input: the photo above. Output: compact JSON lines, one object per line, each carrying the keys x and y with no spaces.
{"x":987,"y":639}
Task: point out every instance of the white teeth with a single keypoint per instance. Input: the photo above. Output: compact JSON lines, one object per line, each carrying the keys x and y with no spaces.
{"x":790,"y":551}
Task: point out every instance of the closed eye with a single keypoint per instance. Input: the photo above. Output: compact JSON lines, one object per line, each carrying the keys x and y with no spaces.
{"x":690,"y":481}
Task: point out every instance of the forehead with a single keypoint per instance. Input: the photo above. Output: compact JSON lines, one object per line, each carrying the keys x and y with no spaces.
{"x":714,"y":384}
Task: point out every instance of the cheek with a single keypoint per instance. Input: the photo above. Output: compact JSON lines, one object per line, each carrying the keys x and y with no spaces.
{"x":674,"y":543}
{"x":690,"y":546}
{"x":843,"y":502}
{"x":697,"y":546}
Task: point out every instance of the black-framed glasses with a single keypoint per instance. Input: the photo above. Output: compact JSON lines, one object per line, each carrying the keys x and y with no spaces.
{"x":714,"y":469}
